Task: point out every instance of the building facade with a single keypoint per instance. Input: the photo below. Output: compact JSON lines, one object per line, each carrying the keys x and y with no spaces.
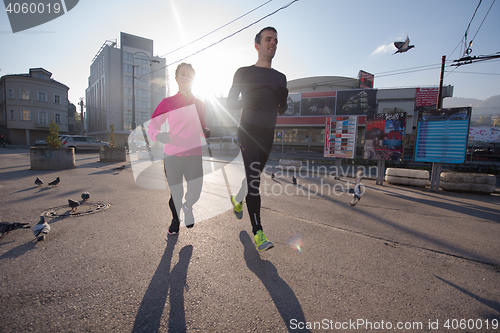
{"x":115,"y":75}
{"x":29,"y":103}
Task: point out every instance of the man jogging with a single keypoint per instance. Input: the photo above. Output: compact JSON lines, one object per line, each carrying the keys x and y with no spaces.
{"x":263,"y":95}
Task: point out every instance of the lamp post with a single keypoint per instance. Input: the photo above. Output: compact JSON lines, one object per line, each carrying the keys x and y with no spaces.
{"x":133,"y":92}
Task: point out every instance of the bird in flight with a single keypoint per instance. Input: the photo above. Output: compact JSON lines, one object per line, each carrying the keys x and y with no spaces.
{"x":403,"y":46}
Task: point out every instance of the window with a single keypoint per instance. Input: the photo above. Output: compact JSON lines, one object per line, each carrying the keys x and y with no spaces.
{"x":66,"y":120}
{"x":57,"y":99}
{"x":26,"y":115}
{"x":42,"y":96}
{"x":12,"y":114}
{"x":127,"y":68}
{"x":11,"y":93}
{"x":57,"y":118}
{"x":25,"y":94}
{"x":127,"y":91}
{"x":43,"y":117}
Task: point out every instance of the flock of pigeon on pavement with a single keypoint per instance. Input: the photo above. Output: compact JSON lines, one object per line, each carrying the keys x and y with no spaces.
{"x":42,"y":228}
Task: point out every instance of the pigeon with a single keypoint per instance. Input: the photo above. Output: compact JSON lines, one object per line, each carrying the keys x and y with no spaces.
{"x":41,"y":229}
{"x":120,"y":168}
{"x":403,"y":46}
{"x":55,"y":182}
{"x":357,"y":189}
{"x":272,"y":175}
{"x":38,"y":181}
{"x":73,"y":204}
{"x":85,"y":196}
{"x":294,"y":180}
{"x":6,"y":227}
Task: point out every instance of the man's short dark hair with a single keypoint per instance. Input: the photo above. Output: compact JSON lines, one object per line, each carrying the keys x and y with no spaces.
{"x":259,"y":35}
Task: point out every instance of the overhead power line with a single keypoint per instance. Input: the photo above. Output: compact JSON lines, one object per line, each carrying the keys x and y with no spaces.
{"x":227,"y":37}
{"x":211,"y":32}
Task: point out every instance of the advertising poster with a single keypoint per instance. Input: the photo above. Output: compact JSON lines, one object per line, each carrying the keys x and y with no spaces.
{"x":426,"y":97}
{"x":484,"y":134}
{"x":365,"y":80}
{"x":340,"y":140}
{"x":442,"y":135}
{"x":356,"y":102}
{"x":384,"y":136}
{"x":321,"y":103}
{"x":293,"y":102}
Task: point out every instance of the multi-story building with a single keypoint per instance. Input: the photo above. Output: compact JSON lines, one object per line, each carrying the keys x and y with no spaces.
{"x":29,"y":103}
{"x":114,"y":74}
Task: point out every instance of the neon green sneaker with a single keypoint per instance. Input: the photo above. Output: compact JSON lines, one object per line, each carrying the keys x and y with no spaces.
{"x":261,"y":241}
{"x":238,"y":207}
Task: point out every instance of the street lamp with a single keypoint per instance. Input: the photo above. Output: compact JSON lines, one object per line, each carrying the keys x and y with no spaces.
{"x":133,"y":92}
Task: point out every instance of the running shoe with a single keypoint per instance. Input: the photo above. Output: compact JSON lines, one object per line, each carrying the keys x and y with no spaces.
{"x":174,"y":227}
{"x":188,"y":216}
{"x":238,"y":208}
{"x":261,"y":241}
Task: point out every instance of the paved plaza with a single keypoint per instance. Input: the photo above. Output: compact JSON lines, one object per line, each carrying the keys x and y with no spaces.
{"x":404,"y":259}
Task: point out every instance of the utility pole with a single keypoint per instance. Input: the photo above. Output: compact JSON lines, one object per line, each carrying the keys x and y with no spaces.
{"x":81,"y":120}
{"x":436,"y":167}
{"x":439,"y":104}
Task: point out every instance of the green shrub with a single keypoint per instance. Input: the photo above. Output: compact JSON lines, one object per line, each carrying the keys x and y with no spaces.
{"x":53,"y":138}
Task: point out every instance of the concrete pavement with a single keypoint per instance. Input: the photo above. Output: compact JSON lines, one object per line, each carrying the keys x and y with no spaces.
{"x":402,"y":258}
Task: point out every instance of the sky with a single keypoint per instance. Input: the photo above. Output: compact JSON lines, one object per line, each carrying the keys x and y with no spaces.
{"x":316,"y":38}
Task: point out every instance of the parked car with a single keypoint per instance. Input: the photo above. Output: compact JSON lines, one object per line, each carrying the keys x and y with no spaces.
{"x":79,"y":142}
{"x":41,"y":143}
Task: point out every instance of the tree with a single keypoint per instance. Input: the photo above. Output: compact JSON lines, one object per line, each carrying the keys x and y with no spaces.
{"x":53,"y":138}
{"x":496,"y":123}
{"x":485,"y":121}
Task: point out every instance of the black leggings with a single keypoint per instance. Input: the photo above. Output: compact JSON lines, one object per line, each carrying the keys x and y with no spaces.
{"x":179,"y":167}
{"x":256,"y":144}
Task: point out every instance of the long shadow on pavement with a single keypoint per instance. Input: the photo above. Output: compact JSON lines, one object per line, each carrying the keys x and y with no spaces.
{"x":491,"y":304}
{"x":282,"y":295}
{"x":150,"y":311}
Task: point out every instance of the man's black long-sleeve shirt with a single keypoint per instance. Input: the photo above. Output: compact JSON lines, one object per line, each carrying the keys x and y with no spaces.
{"x":259,"y":100}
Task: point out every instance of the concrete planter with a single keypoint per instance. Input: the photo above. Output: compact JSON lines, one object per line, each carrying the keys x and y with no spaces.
{"x":419,"y":178}
{"x":44,"y":158}
{"x":112,"y":154}
{"x":468,"y":182}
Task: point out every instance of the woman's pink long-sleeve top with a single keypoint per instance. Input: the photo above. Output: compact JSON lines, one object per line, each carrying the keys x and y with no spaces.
{"x":186,"y":120}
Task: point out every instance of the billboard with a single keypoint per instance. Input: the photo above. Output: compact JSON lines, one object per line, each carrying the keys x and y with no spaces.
{"x":384,"y":136}
{"x":365,"y":80}
{"x":442,"y":135}
{"x":293,"y":101}
{"x":321,"y":103}
{"x":484,"y":134}
{"x":356,"y":102}
{"x":340,"y":140}
{"x":426,"y":97}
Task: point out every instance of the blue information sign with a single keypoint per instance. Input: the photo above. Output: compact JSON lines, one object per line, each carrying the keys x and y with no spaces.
{"x":442,"y":135}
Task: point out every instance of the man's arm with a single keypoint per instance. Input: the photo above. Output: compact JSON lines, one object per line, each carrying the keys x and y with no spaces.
{"x":233,"y":101}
